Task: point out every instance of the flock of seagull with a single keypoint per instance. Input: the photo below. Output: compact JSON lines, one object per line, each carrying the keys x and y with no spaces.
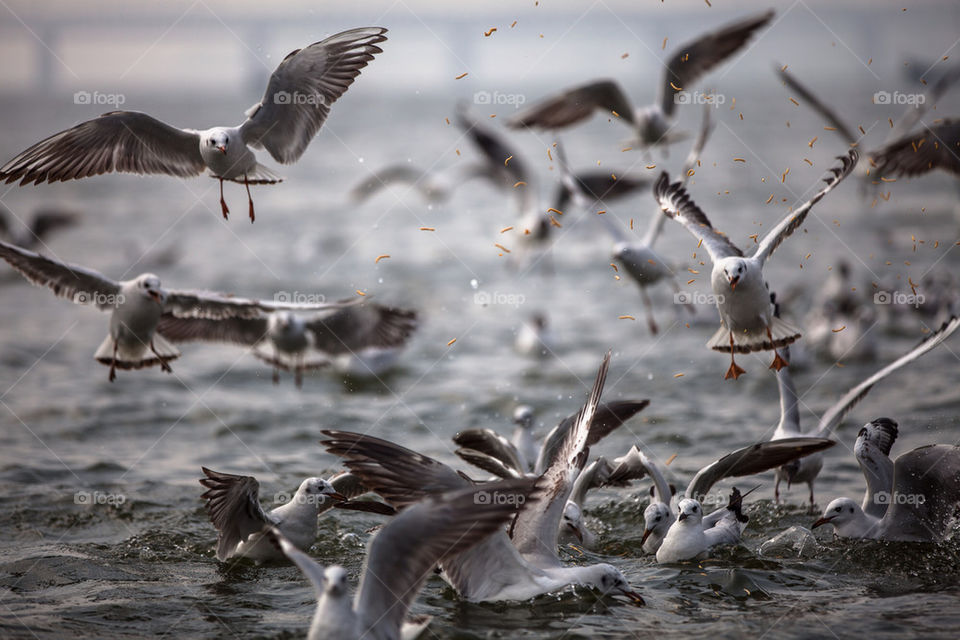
{"x":493,"y":539}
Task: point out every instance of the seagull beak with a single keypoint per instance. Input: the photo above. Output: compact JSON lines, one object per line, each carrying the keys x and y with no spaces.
{"x":576,"y":532}
{"x":156,"y":297}
{"x":222,"y":149}
{"x":646,"y":534}
{"x":733,"y":282}
{"x":681,"y":517}
{"x":634,"y":597}
{"x":337,"y":496}
{"x":822,"y":521}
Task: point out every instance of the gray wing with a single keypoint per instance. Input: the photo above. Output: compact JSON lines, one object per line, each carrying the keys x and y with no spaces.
{"x":303,"y":88}
{"x":936,"y":147}
{"x":832,"y":416}
{"x":725,"y":530}
{"x":535,"y":531}
{"x":634,"y":466}
{"x":488,"y":463}
{"x":609,"y":416}
{"x":913,"y":115}
{"x":306,"y":564}
{"x":233,"y":504}
{"x":46,"y":220}
{"x":401,"y":476}
{"x":244,"y":331}
{"x":676,"y":203}
{"x":124,"y":141}
{"x":756,"y":458}
{"x":65,"y":280}
{"x":693,"y":59}
{"x":404,"y":553}
{"x":215,"y":306}
{"x":597,"y":474}
{"x":817,"y":105}
{"x":927,"y":480}
{"x":573,"y":105}
{"x":690,"y":165}
{"x":490,"y":443}
{"x":362,"y":326}
{"x":872,"y":450}
{"x":349,"y":486}
{"x":792,"y":222}
{"x":500,"y":155}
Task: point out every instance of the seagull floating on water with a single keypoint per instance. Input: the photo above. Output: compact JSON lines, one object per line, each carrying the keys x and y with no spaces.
{"x":688,"y":537}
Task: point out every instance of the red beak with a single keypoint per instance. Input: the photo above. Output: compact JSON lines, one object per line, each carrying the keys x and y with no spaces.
{"x":222,"y":150}
{"x":156,"y":297}
{"x":733,"y":283}
{"x":822,"y":521}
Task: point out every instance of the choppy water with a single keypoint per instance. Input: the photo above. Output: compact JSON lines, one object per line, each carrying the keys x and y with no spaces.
{"x":90,"y":567}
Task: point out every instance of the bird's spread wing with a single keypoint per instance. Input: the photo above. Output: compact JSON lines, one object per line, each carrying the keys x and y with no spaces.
{"x":676,"y":203}
{"x":200,"y":304}
{"x":492,"y":444}
{"x":573,"y":105}
{"x":404,"y":553}
{"x":756,"y":458}
{"x":832,"y":416}
{"x":693,"y":59}
{"x":535,"y":531}
{"x":912,"y":116}
{"x":124,"y":141}
{"x":497,"y":150}
{"x":304,"y":87}
{"x":936,"y":147}
{"x":690,"y":165}
{"x":350,"y":486}
{"x":872,"y":450}
{"x":817,"y":105}
{"x":793,"y":221}
{"x":83,"y":286}
{"x":609,"y":416}
{"x":594,"y":476}
{"x":927,"y":483}
{"x":634,"y":466}
{"x":244,"y":331}
{"x":234,"y":506}
{"x":362,"y":326}
{"x":488,"y":463}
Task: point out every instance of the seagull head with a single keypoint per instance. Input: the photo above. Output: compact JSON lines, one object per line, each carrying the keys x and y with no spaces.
{"x":285,"y":322}
{"x":838,"y":513}
{"x":523,"y":416}
{"x":734,"y":269}
{"x":609,"y":580}
{"x":149,"y":286}
{"x":219,"y":140}
{"x":318,"y":491}
{"x":656,"y":519}
{"x":689,"y":511}
{"x":573,"y":520}
{"x":334,"y":582}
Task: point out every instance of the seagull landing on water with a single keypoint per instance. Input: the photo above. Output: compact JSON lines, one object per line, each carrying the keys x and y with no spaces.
{"x":652,"y":124}
{"x":136,"y":307}
{"x":296,"y":103}
{"x":743,"y":299}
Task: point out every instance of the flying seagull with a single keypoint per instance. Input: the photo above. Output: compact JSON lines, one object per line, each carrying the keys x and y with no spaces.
{"x":41,"y":224}
{"x":651,"y":124}
{"x":295,"y":105}
{"x":742,"y":297}
{"x":299,"y":343}
{"x":136,"y":307}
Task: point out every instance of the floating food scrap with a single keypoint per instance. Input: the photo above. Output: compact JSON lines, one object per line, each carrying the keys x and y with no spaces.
{"x":451,"y":342}
{"x":489,"y":33}
{"x":461,"y":76}
{"x":427,"y":229}
{"x":625,"y":318}
{"x":382,"y":256}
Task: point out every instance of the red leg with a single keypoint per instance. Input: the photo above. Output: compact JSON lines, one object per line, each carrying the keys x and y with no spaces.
{"x":734,"y":371}
{"x":249,"y":199}
{"x":163,"y":362}
{"x":778,"y":362}
{"x":223,"y":203}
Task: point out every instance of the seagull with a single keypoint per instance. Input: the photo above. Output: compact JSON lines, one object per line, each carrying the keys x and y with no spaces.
{"x":935,"y":147}
{"x":295,"y":343}
{"x":400,"y":559}
{"x":295,"y":105}
{"x":524,"y":440}
{"x":689,"y":538}
{"x":534,"y":337}
{"x":435,"y":187}
{"x":742,"y":296}
{"x":639,"y":259}
{"x":233,"y":503}
{"x":499,"y":567}
{"x":651,"y":124}
{"x":747,"y":461}
{"x":136,"y":307}
{"x":42,"y":223}
{"x":807,"y":469}
{"x":912,"y":498}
